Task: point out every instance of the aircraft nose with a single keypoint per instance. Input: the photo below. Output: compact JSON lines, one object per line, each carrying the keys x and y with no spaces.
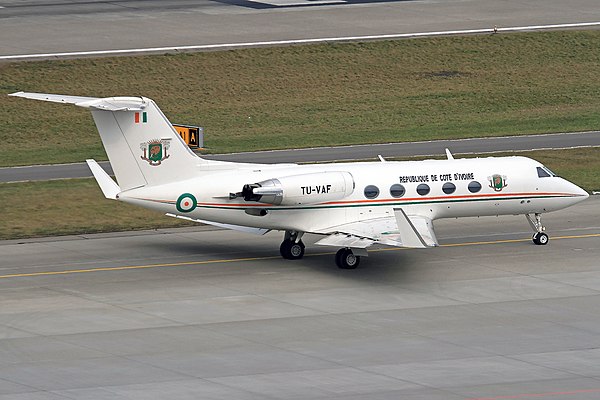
{"x":579,"y":192}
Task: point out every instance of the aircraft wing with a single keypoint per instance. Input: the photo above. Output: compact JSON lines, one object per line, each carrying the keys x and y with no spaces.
{"x":400,"y":230}
{"x":240,"y":228}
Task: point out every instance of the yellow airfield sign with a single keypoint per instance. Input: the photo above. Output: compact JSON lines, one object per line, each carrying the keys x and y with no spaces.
{"x":193,"y":136}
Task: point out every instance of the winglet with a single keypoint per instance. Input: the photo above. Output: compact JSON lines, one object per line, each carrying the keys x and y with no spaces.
{"x":409,"y":235}
{"x":109,"y":188}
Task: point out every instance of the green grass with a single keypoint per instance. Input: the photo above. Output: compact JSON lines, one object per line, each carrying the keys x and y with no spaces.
{"x":404,"y":90}
{"x":77,"y":206}
{"x":72,"y":206}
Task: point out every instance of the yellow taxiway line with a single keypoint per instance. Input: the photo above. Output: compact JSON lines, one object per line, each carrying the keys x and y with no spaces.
{"x":234,"y":260}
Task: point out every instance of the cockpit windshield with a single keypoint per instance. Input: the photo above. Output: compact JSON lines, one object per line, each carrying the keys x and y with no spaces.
{"x":544,"y":172}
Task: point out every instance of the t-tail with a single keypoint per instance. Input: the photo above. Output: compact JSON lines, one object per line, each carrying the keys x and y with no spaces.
{"x":141,"y":144}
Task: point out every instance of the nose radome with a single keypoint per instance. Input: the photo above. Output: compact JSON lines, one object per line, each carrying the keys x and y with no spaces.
{"x":580,"y":192}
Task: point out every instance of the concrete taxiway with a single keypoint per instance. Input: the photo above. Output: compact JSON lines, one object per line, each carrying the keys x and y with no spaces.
{"x":48,"y":26}
{"x":202,"y":313}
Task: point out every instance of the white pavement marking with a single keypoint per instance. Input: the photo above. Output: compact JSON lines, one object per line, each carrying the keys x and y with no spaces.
{"x":295,"y":41}
{"x":288,"y":3}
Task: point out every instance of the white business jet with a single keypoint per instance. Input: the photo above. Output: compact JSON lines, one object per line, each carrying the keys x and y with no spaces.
{"x":351,"y":205}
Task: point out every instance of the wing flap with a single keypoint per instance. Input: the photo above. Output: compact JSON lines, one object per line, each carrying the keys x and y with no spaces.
{"x":345,"y":240}
{"x":399,"y":230}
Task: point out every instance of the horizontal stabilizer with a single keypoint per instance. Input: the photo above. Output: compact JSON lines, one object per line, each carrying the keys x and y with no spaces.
{"x":54,"y":98}
{"x":109,"y":188}
{"x":240,"y":228}
{"x":106,"y":104}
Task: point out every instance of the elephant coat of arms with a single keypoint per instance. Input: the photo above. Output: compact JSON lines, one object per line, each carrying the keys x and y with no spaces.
{"x":155,"y":151}
{"x":497,"y":182}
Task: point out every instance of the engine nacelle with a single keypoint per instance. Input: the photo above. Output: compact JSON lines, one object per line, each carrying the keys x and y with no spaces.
{"x":294,"y":190}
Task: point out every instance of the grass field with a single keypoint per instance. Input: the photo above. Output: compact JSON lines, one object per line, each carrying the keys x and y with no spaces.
{"x":77,"y":206}
{"x":301,"y":96}
{"x":72,"y":206}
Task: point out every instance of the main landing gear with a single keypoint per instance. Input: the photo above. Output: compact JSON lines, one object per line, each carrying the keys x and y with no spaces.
{"x":292,"y":247}
{"x":539,"y":237}
{"x":346,"y":259}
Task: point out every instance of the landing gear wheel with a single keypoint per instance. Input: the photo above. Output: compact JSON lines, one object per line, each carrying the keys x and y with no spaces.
{"x":291,"y":250}
{"x":345,"y":259}
{"x":540,"y":238}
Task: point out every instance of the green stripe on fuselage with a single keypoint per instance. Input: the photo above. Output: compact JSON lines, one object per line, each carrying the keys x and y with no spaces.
{"x":270,"y":208}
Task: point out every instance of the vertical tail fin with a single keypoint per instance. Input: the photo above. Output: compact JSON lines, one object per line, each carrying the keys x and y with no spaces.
{"x":141,"y":144}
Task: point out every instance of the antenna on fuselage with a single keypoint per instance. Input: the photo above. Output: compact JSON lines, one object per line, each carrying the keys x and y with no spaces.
{"x":449,"y":155}
{"x":381,"y":158}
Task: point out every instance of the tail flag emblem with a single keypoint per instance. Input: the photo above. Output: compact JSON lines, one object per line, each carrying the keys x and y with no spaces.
{"x":141,"y":117}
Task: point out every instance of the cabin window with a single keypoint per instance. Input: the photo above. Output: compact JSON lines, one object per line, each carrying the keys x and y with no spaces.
{"x":371,"y":192}
{"x":448,"y":187}
{"x":474,"y":187}
{"x":397,"y":190}
{"x":423,"y":189}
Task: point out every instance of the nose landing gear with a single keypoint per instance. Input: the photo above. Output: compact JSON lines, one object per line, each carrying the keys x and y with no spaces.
{"x":539,"y":237}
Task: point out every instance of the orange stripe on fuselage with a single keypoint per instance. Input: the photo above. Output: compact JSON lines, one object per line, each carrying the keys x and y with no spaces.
{"x":467,"y":196}
{"x":484,"y":196}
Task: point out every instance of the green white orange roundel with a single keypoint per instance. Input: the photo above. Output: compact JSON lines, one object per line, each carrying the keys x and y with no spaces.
{"x":186,"y":203}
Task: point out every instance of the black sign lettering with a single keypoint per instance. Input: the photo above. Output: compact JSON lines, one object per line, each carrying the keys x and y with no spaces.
{"x":318,"y":189}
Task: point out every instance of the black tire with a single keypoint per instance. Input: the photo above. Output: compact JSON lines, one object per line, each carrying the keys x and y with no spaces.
{"x":338,"y":257}
{"x":540,"y":238}
{"x":291,"y":250}
{"x":345,"y":259}
{"x":284,"y":249}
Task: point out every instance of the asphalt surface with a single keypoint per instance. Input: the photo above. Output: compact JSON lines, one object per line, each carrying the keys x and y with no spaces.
{"x":203,"y":313}
{"x":431,"y":148}
{"x":50,"y":26}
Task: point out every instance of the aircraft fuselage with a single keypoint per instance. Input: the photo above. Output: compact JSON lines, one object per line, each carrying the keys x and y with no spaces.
{"x":431,"y":188}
